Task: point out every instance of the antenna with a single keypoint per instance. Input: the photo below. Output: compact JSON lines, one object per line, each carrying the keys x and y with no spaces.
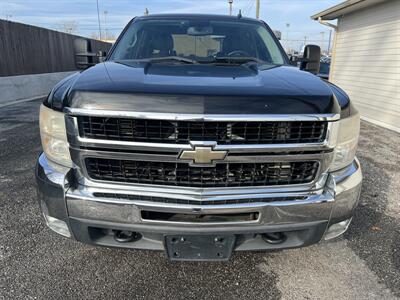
{"x":239,"y":14}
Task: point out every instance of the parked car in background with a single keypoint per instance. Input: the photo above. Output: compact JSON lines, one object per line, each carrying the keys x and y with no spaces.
{"x":197,"y":137}
{"x":324,"y":67}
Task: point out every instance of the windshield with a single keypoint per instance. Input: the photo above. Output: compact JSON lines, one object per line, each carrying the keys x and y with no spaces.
{"x":198,"y":40}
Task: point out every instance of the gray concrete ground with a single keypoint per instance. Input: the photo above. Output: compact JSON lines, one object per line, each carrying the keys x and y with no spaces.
{"x":35,"y":263}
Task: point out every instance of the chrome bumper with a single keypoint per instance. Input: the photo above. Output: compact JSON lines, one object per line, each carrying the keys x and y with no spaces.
{"x":89,"y":218}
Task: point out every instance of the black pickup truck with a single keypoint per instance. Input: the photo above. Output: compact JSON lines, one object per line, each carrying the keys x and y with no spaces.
{"x":196,"y":136}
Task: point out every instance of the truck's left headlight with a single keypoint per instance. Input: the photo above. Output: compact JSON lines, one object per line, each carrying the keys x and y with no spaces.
{"x":347,"y":141}
{"x":54,"y":136}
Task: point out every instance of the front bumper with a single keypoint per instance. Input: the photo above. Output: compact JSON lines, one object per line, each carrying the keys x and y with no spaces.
{"x":92,"y":219}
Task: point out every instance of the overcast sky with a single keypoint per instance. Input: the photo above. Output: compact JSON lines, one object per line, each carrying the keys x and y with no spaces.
{"x":277,"y":13}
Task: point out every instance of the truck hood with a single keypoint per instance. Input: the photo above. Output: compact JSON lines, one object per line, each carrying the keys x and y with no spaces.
{"x":204,"y":89}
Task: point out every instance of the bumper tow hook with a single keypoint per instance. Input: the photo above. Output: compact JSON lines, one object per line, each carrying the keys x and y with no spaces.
{"x":274,"y":237}
{"x":125,"y":236}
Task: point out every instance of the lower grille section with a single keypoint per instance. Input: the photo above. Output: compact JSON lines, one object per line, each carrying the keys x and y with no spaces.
{"x":221,"y":175}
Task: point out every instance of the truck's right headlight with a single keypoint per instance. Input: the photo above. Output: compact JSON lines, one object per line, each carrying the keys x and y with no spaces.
{"x":345,"y":150}
{"x":54,"y":136}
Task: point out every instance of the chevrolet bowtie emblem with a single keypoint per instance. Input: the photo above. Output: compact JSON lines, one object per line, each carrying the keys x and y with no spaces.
{"x":203,"y":155}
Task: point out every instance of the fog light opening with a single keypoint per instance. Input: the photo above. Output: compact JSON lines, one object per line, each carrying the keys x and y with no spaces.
{"x":125,"y":236}
{"x":274,"y":237}
{"x":337,"y":229}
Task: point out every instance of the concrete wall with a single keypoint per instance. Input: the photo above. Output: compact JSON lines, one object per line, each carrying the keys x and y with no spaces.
{"x":13,"y":88}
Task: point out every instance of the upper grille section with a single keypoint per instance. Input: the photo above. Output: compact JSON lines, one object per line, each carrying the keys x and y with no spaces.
{"x":221,"y":175}
{"x":182,"y":132}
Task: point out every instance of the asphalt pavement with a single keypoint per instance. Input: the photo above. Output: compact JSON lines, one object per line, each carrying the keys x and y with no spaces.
{"x":36,"y":263}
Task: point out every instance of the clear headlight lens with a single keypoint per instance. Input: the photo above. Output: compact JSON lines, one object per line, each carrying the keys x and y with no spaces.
{"x":345,"y":150}
{"x":54,"y":136}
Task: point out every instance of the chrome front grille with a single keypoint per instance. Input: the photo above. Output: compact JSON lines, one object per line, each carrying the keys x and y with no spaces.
{"x":220,"y":175}
{"x":183,"y":132}
{"x":142,"y":152}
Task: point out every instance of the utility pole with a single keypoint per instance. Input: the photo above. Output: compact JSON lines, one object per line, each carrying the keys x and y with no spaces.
{"x":98,"y":18}
{"x":287,"y":38}
{"x":329,"y":42}
{"x":257,"y":9}
{"x":105,"y":24}
{"x":230,"y":7}
{"x":322,"y":40}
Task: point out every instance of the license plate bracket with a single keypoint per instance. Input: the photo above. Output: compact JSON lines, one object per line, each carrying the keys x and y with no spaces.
{"x":199,"y":247}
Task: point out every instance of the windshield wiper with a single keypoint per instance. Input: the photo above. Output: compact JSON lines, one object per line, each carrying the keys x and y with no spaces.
{"x":169,"y":58}
{"x":236,"y":59}
{"x":250,"y":63}
{"x":150,"y":61}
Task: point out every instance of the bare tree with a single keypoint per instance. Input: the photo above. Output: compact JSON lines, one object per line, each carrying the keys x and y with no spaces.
{"x":70,"y":27}
{"x":94,"y":35}
{"x":110,"y":36}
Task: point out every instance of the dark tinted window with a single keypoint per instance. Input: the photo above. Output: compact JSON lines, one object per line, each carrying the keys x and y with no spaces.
{"x":198,"y":40}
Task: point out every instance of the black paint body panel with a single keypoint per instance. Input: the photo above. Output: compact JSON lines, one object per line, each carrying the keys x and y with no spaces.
{"x":200,"y":89}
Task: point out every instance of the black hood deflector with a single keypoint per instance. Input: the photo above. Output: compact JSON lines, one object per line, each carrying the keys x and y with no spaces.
{"x":201,"y":89}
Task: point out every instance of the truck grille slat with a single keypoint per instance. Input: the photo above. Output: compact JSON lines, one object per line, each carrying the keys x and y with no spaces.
{"x":182,"y":132}
{"x":196,"y":202}
{"x":220,"y":175}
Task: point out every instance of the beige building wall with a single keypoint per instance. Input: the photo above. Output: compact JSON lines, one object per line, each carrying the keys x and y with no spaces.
{"x":366,"y":62}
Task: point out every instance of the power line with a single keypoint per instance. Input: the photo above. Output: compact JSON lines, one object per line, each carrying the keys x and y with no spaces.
{"x":250,"y":5}
{"x":302,"y":40}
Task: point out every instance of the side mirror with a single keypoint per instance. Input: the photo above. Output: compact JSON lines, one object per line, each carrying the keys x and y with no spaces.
{"x":81,"y":50}
{"x":311,"y":59}
{"x":101,"y":55}
{"x":84,"y":58}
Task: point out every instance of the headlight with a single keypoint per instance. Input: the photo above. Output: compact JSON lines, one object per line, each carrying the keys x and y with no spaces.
{"x":54,"y":136}
{"x":345,"y":150}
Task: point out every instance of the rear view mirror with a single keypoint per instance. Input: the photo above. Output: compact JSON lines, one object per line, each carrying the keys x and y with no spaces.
{"x":311,"y":59}
{"x":278,"y":34}
{"x":196,"y":30}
